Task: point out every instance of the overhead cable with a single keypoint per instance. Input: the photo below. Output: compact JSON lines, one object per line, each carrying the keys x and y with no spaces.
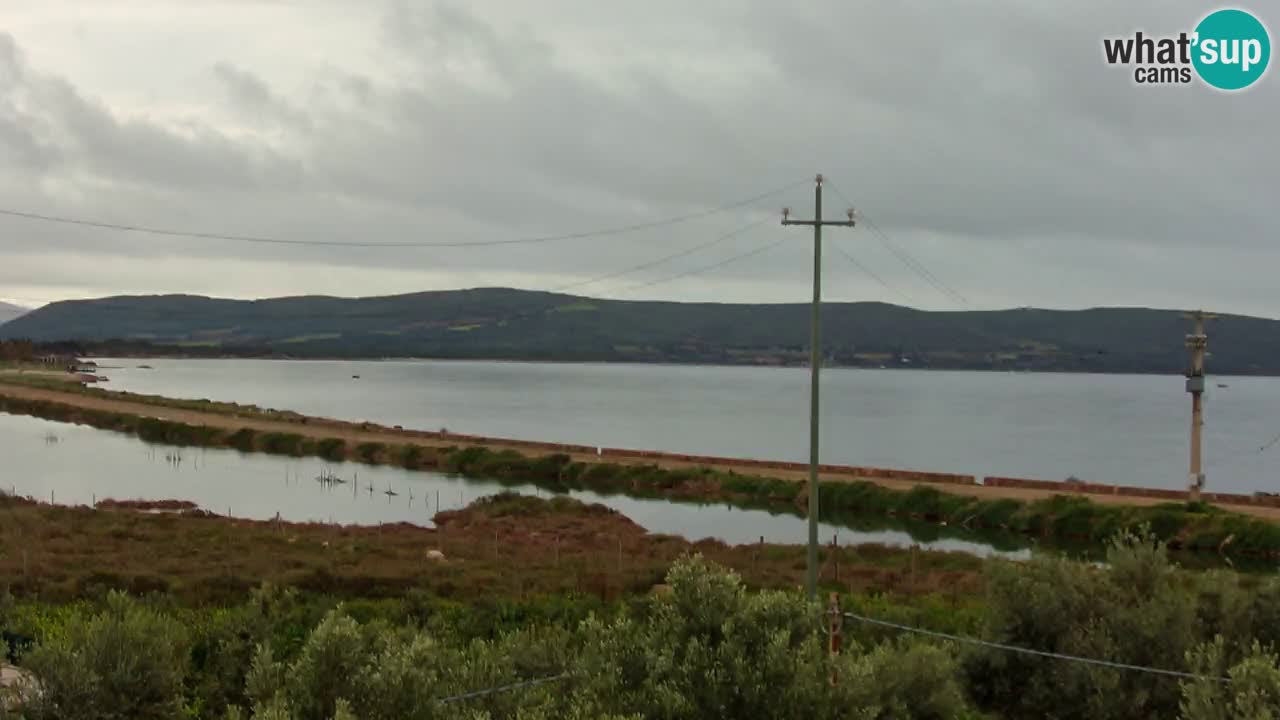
{"x":703,"y":269}
{"x":666,"y":258}
{"x":903,"y":256}
{"x":1038,"y":653}
{"x":603,"y":232}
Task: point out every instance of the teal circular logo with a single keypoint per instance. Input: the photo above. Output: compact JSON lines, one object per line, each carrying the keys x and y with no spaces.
{"x":1231,"y":49}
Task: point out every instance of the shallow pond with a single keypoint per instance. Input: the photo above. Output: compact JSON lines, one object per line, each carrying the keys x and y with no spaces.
{"x":72,"y":464}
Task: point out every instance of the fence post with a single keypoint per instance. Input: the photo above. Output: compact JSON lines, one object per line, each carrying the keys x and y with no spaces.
{"x":835,"y":555}
{"x":835,"y":621}
{"x":913,"y":567}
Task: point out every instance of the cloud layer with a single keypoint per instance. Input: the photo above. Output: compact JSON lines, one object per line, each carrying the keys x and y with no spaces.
{"x":989,"y":140}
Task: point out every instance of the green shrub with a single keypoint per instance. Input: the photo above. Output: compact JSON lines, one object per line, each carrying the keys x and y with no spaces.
{"x":409,"y":456}
{"x":282,"y":443}
{"x":370,"y":451}
{"x":462,"y":461}
{"x":128,"y":662}
{"x":332,"y":449}
{"x":548,"y":467}
{"x":242,"y":439}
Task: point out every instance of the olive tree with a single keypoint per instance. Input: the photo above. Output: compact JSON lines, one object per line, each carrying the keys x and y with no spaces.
{"x":711,"y":649}
{"x":127,"y":661}
{"x":1246,"y":690}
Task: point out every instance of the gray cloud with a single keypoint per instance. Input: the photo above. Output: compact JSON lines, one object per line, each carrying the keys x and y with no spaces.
{"x":990,"y":140}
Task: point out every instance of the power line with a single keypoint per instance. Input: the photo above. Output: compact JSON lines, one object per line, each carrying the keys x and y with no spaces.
{"x":1269,"y":445}
{"x":661,"y":260}
{"x":619,"y":230}
{"x":1038,"y":653}
{"x":703,"y":269}
{"x":905,"y":257}
{"x":870,"y":273}
{"x":918,"y":267}
{"x":624,"y":271}
{"x":503,"y":688}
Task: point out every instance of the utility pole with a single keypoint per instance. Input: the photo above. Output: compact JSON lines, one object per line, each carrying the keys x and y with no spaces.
{"x":1197,"y":341}
{"x":815,"y":364}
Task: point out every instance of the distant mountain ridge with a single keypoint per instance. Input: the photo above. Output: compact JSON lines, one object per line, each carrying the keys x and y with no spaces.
{"x":498,"y":323}
{"x":10,"y":312}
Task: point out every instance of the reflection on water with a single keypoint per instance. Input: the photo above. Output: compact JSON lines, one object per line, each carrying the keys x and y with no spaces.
{"x":71,"y":464}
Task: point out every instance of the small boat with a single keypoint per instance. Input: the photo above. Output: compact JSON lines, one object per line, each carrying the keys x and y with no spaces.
{"x":1222,"y":385}
{"x":355,"y":377}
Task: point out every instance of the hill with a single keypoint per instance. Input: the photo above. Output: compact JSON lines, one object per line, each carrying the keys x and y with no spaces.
{"x":515,"y":324}
{"x":9,"y":312}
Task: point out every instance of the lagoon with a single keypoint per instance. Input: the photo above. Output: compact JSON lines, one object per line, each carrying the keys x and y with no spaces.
{"x":1122,"y":429}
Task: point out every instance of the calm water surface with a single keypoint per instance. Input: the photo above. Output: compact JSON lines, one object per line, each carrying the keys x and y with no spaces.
{"x":71,"y":464}
{"x":1108,"y":428}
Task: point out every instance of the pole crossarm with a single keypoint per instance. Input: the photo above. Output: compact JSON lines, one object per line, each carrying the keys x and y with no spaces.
{"x":815,"y":365}
{"x":824,"y":223}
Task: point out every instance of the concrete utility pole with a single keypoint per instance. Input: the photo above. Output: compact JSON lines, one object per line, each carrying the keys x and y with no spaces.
{"x":1197,"y":341}
{"x":815,"y":363}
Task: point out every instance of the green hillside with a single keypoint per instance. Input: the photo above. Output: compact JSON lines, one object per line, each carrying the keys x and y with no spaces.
{"x":517,"y":324}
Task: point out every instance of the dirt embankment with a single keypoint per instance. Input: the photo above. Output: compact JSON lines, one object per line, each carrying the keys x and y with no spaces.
{"x":356,"y":433}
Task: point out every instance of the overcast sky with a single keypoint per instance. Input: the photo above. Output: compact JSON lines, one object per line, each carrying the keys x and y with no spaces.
{"x":988,"y":140}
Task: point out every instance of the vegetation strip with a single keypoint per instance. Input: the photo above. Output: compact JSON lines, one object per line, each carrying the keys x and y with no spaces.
{"x":708,"y":646}
{"x":499,"y":549}
{"x":1066,"y":519}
